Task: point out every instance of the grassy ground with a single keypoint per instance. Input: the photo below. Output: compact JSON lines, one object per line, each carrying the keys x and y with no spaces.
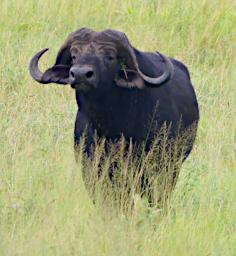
{"x":44,"y":208}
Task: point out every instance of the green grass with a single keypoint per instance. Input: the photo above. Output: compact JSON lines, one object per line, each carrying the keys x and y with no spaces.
{"x":44,"y":207}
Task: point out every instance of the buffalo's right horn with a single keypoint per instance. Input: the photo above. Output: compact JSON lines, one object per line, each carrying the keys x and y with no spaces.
{"x":58,"y":74}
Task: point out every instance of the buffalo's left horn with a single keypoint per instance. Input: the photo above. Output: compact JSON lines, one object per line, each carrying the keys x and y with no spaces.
{"x":155,"y":81}
{"x":123,"y":41}
{"x":34,"y":68}
{"x":152,"y":81}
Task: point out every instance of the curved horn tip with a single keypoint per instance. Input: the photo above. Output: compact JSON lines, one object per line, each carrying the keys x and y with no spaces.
{"x":33,"y":66}
{"x":168,"y":63}
{"x":42,"y":51}
{"x":163,"y":57}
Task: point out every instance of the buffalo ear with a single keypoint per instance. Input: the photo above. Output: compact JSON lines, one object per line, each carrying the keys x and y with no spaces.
{"x":129,"y":78}
{"x":57,"y":74}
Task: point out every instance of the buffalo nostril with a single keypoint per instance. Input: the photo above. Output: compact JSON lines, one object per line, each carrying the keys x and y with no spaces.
{"x":89,"y":74}
{"x":72,"y":74}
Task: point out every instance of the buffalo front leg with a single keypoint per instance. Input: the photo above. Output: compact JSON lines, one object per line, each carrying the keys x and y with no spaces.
{"x":83,"y":133}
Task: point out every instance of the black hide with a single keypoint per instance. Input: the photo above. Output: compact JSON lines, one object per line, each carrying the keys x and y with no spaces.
{"x":132,"y":112}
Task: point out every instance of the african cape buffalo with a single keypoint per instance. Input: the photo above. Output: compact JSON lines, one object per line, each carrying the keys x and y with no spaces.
{"x":122,"y":91}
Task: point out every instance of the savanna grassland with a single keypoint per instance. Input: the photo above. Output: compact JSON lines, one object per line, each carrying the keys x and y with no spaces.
{"x":44,"y":207}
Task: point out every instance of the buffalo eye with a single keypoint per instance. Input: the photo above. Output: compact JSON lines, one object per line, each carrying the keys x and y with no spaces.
{"x":73,"y":57}
{"x":110,"y":59}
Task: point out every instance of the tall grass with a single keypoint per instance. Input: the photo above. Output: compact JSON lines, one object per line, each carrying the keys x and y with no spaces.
{"x":44,"y":207}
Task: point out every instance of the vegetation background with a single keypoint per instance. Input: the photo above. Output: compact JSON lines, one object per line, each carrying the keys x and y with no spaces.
{"x":44,"y":208}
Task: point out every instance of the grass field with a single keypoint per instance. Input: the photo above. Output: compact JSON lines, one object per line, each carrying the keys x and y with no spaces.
{"x":44,"y":207}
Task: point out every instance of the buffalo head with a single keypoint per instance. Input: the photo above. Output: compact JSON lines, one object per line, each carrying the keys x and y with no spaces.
{"x":90,"y":60}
